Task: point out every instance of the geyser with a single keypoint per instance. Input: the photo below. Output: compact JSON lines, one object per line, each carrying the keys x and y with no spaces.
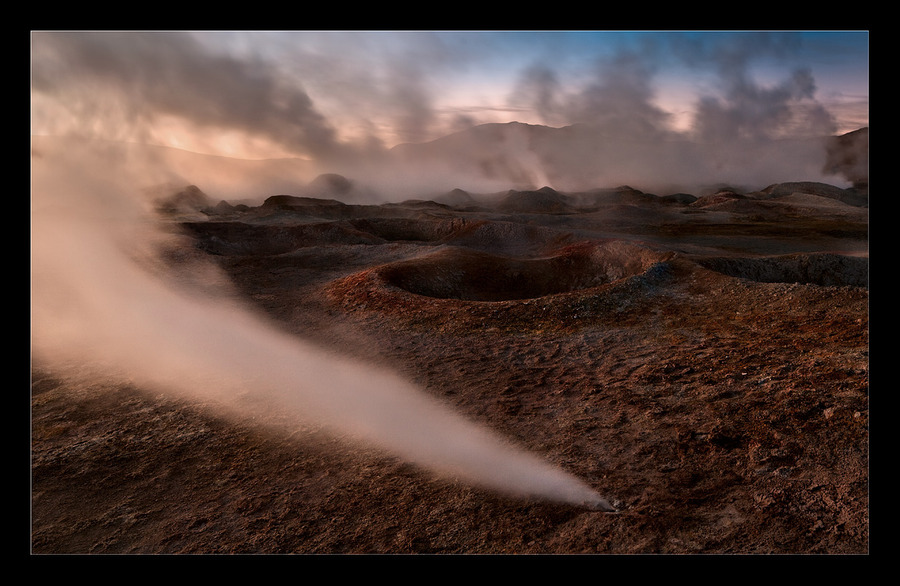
{"x":101,"y":302}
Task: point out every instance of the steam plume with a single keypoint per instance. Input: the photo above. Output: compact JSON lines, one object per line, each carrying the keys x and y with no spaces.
{"x":340,"y":100}
{"x":100,"y":301}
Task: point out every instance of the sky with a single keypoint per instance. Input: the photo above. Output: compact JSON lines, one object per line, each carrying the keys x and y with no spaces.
{"x":326,"y":94}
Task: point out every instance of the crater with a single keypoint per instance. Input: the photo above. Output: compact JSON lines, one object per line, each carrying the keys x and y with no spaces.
{"x":475,"y":275}
{"x":824,"y":269}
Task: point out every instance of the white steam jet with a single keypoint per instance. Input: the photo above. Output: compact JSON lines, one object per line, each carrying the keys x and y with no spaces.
{"x":97,"y":302}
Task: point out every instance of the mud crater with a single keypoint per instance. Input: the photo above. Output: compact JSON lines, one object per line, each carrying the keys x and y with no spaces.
{"x":473,"y":275}
{"x":824,"y":269}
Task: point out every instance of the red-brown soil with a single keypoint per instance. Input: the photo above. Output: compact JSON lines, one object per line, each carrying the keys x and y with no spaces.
{"x":702,"y":364}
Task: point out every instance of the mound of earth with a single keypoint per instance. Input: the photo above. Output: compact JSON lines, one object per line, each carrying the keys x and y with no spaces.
{"x":189,"y":199}
{"x":700,"y":361}
{"x":848,"y":196}
{"x":543,"y":201}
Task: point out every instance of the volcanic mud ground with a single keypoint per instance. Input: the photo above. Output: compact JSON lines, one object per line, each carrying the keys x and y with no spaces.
{"x":701,"y":362}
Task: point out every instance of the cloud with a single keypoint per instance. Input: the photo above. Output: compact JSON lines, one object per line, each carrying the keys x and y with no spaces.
{"x":538,"y":89}
{"x":116,"y":84}
{"x":752,"y":111}
{"x":620,"y":101}
{"x":342,"y":98}
{"x":746,"y":108}
{"x":620,"y":96}
{"x":324,"y":94}
{"x":617,"y":99}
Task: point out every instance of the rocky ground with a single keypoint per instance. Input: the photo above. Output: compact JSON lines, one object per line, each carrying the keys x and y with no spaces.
{"x":702,"y":362}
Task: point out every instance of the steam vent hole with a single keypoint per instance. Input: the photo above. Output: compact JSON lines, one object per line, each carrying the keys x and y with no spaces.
{"x":471,"y":275}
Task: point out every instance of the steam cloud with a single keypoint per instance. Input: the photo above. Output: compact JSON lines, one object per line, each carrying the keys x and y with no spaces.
{"x":137,"y":86}
{"x":740,"y":132}
{"x":129,"y":82}
{"x":102,"y":304}
{"x":619,"y":97}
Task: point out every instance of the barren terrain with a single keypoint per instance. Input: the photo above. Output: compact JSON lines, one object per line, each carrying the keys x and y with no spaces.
{"x":701,"y":360}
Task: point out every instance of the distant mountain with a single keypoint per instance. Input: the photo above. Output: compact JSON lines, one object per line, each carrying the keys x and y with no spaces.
{"x":848,"y":155}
